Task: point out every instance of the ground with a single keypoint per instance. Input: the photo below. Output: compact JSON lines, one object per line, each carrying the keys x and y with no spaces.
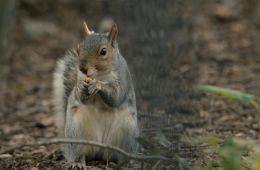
{"x":170,"y":46}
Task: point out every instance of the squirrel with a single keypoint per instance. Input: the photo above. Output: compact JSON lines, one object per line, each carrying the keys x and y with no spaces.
{"x":94,"y":99}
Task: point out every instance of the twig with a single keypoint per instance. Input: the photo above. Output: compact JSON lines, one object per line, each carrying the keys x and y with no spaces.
{"x":169,"y":128}
{"x":86,"y":142}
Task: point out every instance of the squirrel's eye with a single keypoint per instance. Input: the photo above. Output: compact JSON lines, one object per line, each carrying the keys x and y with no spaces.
{"x":103,"y":51}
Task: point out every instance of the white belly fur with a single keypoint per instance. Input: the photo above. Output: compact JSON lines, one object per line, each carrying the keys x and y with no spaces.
{"x":108,"y":126}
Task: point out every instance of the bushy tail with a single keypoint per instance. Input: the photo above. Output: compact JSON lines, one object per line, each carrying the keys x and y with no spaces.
{"x":63,"y":82}
{"x":58,"y":96}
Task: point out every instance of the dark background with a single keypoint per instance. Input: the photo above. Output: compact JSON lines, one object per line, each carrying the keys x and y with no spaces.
{"x":169,"y":45}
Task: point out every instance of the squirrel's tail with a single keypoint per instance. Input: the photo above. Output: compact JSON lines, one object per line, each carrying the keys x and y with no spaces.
{"x":63,"y":82}
{"x":58,"y":96}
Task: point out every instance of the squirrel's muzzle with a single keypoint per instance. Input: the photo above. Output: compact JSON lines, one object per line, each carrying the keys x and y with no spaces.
{"x":88,"y":71}
{"x":83,"y":68}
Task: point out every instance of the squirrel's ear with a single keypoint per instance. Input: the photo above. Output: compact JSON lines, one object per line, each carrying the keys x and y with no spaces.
{"x":112,"y":36}
{"x":87,"y":31}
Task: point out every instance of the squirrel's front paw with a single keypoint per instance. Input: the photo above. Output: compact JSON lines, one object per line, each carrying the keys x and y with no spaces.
{"x":82,"y":91}
{"x":87,"y":87}
{"x":93,"y":86}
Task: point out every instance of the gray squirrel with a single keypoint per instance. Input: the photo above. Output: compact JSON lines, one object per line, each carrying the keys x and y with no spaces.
{"x":94,"y":99}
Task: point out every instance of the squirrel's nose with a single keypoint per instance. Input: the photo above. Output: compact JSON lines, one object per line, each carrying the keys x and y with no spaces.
{"x":83,"y":68}
{"x":90,"y":72}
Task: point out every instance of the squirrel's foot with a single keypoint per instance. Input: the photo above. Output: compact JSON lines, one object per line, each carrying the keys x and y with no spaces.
{"x":77,"y":165}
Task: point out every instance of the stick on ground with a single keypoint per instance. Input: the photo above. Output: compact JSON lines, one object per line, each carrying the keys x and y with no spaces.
{"x":86,"y":142}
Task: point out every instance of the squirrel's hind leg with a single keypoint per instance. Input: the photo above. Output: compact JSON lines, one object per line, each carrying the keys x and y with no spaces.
{"x":74,"y":153}
{"x":74,"y":156}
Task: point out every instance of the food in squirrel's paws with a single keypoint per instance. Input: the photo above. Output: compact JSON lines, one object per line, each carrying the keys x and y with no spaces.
{"x":97,"y":100}
{"x":88,"y":80}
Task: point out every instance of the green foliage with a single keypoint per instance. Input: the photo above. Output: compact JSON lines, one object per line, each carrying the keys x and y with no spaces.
{"x":256,"y":159}
{"x":256,"y":163}
{"x":231,"y":154}
{"x":244,"y":98}
{"x":183,"y":164}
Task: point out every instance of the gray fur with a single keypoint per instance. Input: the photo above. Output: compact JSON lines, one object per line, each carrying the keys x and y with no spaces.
{"x":104,"y":104}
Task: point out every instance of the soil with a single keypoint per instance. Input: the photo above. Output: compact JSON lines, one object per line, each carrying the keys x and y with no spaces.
{"x":169,"y":46}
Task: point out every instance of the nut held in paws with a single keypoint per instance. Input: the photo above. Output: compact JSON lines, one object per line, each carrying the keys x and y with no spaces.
{"x":88,"y":80}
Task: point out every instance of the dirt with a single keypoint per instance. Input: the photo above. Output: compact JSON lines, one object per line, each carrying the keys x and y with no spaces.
{"x":169,"y":45}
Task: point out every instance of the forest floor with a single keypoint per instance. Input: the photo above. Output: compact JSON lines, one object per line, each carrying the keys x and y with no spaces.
{"x":225,"y":39}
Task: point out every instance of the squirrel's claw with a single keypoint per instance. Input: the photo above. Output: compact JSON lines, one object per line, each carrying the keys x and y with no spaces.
{"x":85,"y":88}
{"x":77,"y":165}
{"x":92,"y":88}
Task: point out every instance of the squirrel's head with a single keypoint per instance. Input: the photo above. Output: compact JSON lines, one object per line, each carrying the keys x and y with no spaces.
{"x":97,"y":50}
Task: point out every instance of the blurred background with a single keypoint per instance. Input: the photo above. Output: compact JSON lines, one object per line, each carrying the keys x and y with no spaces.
{"x":169,"y":45}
